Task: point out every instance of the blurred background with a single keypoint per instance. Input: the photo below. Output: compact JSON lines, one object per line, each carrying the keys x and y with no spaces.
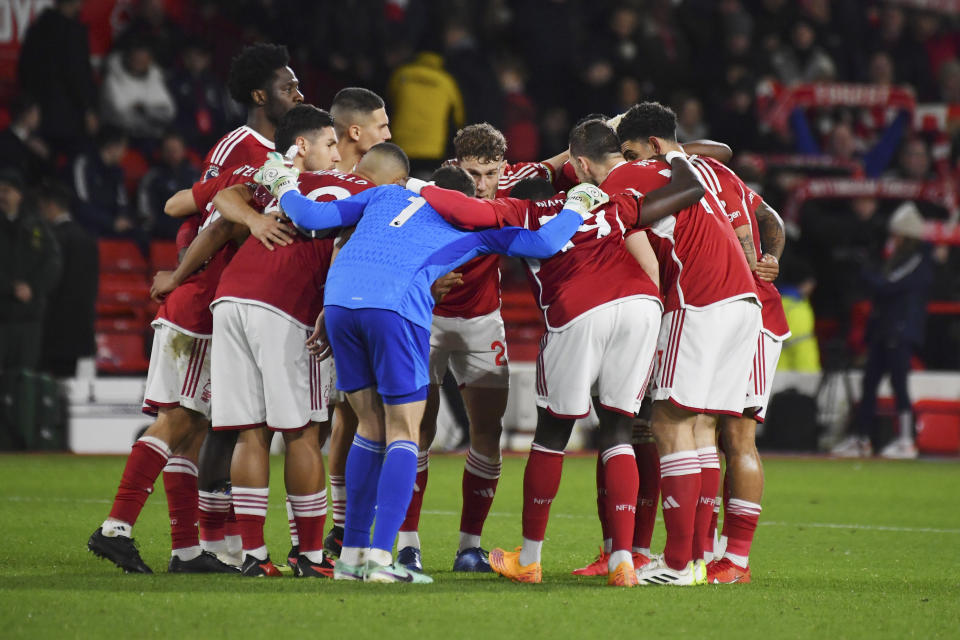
{"x":839,"y":113}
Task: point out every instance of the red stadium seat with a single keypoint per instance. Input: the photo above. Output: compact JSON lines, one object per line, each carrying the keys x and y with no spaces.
{"x":121,"y":352}
{"x":163,"y":255}
{"x":123,"y":294}
{"x":938,"y":426}
{"x":120,"y":256}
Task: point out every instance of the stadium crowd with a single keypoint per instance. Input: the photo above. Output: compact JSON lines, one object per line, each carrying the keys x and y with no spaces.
{"x":129,"y":135}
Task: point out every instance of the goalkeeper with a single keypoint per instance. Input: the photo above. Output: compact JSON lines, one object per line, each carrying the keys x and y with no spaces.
{"x":378,"y":311}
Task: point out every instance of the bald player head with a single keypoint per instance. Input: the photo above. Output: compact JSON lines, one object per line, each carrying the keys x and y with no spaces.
{"x":361,"y":121}
{"x":384,"y":163}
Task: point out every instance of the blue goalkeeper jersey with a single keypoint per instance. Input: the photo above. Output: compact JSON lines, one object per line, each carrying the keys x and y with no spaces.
{"x":402,"y":245}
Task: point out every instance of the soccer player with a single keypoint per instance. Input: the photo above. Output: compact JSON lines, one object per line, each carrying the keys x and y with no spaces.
{"x":761,"y":235}
{"x":361,"y":121}
{"x":602,"y":311}
{"x":468,"y":338}
{"x":178,"y":394}
{"x":378,"y":312}
{"x":702,"y":369}
{"x":260,"y":78}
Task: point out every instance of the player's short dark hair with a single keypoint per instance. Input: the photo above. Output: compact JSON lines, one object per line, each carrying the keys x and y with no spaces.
{"x":253,"y":69}
{"x":456,"y":178}
{"x":391,"y":151}
{"x":109,"y":135}
{"x":646,"y":120}
{"x":351,"y":102}
{"x":591,"y":116}
{"x":301,"y":119}
{"x":533,"y":189}
{"x":482,"y":141}
{"x":593,"y":139}
{"x":55,"y":191}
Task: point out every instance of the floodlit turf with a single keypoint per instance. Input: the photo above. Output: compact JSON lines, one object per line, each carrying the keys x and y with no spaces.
{"x":845,"y":550}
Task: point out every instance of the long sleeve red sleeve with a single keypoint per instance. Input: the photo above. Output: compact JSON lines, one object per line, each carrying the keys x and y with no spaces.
{"x":461,"y":210}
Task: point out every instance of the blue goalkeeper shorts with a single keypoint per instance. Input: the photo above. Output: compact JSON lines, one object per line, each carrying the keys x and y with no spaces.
{"x":381,"y":348}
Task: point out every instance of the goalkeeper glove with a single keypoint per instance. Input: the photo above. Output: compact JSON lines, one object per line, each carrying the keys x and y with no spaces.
{"x":276,"y":175}
{"x":585,"y":197}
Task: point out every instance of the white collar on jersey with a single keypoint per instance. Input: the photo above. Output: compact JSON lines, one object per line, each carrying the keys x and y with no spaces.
{"x":265,"y":142}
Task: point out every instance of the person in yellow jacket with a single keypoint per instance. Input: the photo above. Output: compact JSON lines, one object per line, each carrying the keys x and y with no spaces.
{"x":424,"y":98}
{"x":800,"y":351}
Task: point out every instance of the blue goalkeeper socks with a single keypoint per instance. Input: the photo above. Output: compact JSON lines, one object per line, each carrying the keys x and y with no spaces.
{"x":394,"y":490}
{"x":364,"y":463}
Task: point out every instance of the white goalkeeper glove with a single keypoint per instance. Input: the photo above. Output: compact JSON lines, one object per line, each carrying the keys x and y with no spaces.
{"x":585,"y":197}
{"x":415,"y":184}
{"x":276,"y":175}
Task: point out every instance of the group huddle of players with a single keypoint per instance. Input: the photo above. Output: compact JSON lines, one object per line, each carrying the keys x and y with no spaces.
{"x":654,"y":272}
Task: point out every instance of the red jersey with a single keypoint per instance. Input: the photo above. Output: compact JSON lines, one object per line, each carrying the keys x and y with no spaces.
{"x":701,"y":261}
{"x":289,"y":280}
{"x":243,"y":145}
{"x":480,"y":292}
{"x":593,"y":270}
{"x":187,"y":308}
{"x":741,"y":202}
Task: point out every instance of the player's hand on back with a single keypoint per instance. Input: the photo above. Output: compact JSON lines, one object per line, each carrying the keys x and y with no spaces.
{"x":768,"y":268}
{"x":163,"y":284}
{"x":444,"y":284}
{"x":271,"y":231}
{"x":277,"y":175}
{"x":584,"y":198}
{"x":317,"y":343}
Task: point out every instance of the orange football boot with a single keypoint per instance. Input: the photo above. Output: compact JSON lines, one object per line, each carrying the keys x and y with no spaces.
{"x":507,"y":564}
{"x":723,"y":571}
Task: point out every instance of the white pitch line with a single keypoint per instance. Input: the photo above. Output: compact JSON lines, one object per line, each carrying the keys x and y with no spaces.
{"x":570,"y":516}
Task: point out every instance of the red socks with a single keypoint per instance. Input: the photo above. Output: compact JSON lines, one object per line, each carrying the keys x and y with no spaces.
{"x":480,"y":477}
{"x":709,"y":484}
{"x":310,"y":514}
{"x":680,"y":491}
{"x":621,"y":480}
{"x":412,"y":521}
{"x":648,"y":466}
{"x":147,"y":458}
{"x":180,"y":484}
{"x":541,"y":480}
{"x":739,"y":524}
{"x":214,"y":507}
{"x":250,"y":505}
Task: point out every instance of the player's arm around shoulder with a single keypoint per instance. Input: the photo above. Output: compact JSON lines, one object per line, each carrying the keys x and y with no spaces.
{"x":684,"y":190}
{"x":233,"y":203}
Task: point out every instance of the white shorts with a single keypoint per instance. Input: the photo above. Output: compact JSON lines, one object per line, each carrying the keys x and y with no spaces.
{"x":474,"y":349}
{"x":179,"y":373}
{"x":761,"y":375}
{"x":704,"y":357}
{"x":607,"y":353}
{"x":263,"y":372}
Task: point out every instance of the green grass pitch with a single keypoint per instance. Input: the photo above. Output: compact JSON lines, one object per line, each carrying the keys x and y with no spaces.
{"x":845,"y":550}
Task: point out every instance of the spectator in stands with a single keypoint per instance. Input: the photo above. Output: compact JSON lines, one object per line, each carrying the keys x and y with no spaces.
{"x":69,"y":320}
{"x":171,"y":174}
{"x":690,"y":124}
{"x":804,"y":61}
{"x":135,"y":96}
{"x":881,"y":71}
{"x":203,"y":107}
{"x":425,"y":100}
{"x":54,"y":67}
{"x":29,"y":268}
{"x":98,"y":181}
{"x":520,"y":115}
{"x":908,"y":54}
{"x":796,"y":283}
{"x":950,"y":81}
{"x":472,"y":69}
{"x":913,"y":161}
{"x":20,"y":147}
{"x":150,"y":23}
{"x":894,"y":331}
